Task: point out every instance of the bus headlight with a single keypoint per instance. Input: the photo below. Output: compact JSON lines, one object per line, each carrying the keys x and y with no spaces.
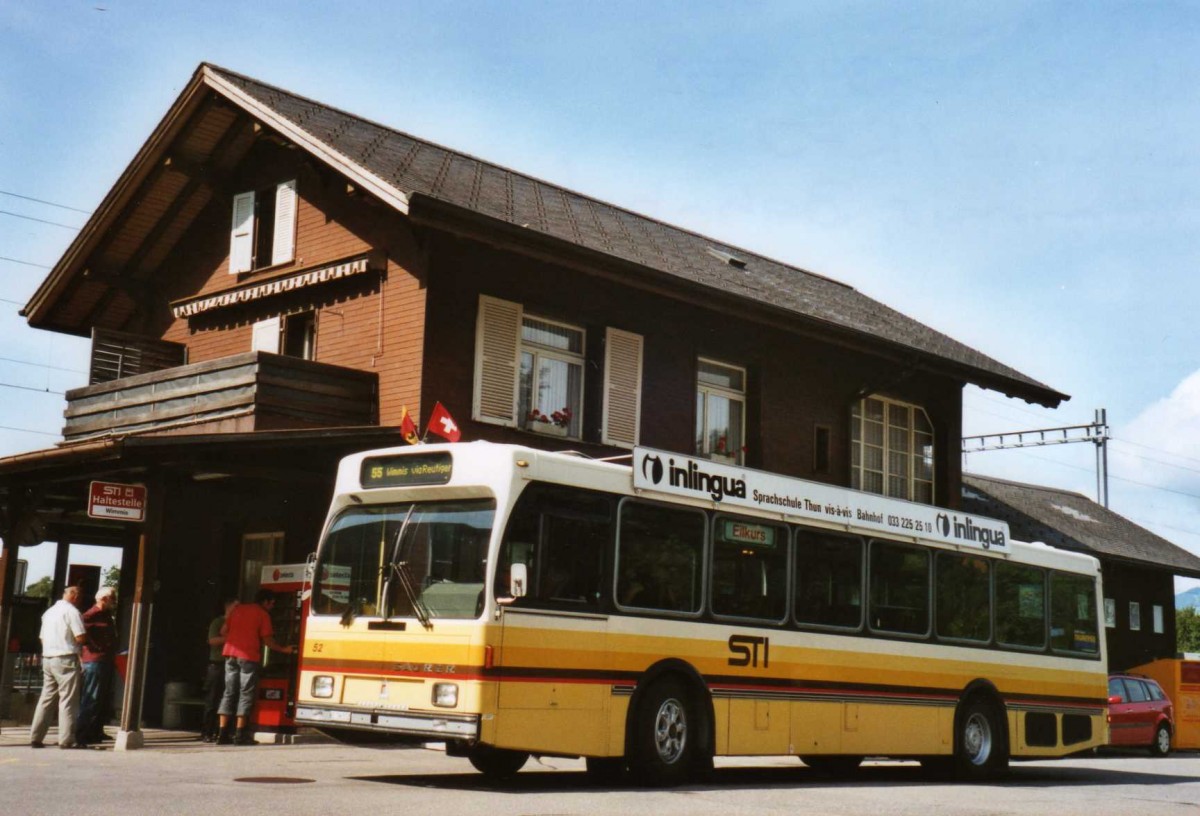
{"x":445,"y":695}
{"x":322,"y":686}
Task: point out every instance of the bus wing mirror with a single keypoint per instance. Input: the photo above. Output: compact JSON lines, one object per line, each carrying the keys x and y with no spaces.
{"x":517,"y":579}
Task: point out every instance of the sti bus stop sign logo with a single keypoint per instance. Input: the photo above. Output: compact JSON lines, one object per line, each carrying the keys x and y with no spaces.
{"x":120,"y":502}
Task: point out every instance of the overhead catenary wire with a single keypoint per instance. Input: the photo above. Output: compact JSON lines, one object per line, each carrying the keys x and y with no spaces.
{"x":39,"y":220}
{"x":44,"y":201}
{"x":41,"y":365}
{"x":31,"y":388}
{"x":27,"y":430}
{"x":25,"y":263}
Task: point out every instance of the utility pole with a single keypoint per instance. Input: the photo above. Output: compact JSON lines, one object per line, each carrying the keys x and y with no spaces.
{"x":1096,"y":433}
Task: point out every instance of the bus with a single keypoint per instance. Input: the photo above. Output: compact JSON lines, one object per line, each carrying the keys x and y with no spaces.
{"x":650,"y":613}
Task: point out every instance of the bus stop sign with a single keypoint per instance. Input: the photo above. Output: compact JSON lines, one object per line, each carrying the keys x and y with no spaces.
{"x":122,"y":502}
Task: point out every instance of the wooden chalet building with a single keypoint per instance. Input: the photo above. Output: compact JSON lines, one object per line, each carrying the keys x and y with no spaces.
{"x":271,"y":281}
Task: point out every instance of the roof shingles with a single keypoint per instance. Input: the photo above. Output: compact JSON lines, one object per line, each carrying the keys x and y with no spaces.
{"x":417,"y":167}
{"x":1070,"y":521}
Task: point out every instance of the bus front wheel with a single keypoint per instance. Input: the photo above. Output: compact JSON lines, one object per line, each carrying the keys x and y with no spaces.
{"x":666,"y":735}
{"x":980,"y":742}
{"x":497,"y":763}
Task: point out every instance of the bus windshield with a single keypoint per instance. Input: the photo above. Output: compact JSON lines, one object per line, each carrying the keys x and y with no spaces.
{"x":422,"y":559}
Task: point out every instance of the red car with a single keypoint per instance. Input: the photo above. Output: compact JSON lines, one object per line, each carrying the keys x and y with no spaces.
{"x":1139,"y":714}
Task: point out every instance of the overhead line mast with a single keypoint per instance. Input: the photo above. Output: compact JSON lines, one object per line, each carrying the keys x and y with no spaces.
{"x":1097,"y":433}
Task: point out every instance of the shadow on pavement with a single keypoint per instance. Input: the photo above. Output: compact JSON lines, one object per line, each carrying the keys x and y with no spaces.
{"x":1021,"y":776}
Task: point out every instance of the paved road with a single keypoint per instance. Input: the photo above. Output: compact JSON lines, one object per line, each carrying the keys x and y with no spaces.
{"x":180,"y":775}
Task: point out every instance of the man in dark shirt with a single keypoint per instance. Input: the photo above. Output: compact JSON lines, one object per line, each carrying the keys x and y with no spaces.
{"x":99,"y":649}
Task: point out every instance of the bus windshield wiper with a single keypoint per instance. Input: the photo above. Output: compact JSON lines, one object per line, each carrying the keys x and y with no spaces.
{"x":403,"y":575}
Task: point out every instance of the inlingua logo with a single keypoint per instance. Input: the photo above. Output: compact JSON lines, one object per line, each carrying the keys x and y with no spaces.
{"x":652,"y":468}
{"x":943,"y":523}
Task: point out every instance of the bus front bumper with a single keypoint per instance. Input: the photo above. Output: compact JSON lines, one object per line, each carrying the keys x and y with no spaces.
{"x":452,"y":726}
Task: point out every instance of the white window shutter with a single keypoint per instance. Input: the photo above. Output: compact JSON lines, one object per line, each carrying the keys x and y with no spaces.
{"x":497,"y":361}
{"x":283,"y":248}
{"x":622,"y":388}
{"x":266,"y":335}
{"x":241,"y":234}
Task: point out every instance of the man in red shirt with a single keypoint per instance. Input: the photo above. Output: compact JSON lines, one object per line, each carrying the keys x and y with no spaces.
{"x":247,"y":629}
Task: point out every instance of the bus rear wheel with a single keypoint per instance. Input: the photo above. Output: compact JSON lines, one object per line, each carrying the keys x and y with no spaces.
{"x":665,"y":735}
{"x":497,"y":763}
{"x":980,"y":743}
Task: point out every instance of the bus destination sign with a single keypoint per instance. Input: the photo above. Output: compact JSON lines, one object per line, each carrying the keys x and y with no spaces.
{"x":679,"y":475}
{"x":406,"y":470}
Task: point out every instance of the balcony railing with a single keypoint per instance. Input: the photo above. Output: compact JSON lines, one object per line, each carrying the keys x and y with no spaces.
{"x":246,"y":392}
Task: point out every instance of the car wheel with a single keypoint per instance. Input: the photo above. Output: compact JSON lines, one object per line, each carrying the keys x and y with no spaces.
{"x":1162,"y":741}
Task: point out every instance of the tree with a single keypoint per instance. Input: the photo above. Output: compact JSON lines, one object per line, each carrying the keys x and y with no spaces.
{"x":112,"y":577}
{"x":1187,"y":630}
{"x":41,"y":588}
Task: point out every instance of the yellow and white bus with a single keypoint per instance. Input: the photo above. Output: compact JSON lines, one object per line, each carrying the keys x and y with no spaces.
{"x":652,"y":614}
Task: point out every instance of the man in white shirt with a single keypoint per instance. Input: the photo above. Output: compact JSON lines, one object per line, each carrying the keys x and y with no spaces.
{"x":62,"y":634}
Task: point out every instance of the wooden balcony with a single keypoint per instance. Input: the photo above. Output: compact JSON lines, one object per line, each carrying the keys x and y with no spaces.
{"x":255,"y":391}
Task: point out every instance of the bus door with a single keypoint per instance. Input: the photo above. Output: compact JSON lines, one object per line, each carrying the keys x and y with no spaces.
{"x":553,"y":695}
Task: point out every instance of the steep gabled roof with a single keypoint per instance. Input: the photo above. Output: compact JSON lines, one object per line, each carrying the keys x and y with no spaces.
{"x":1071,"y":521}
{"x":406,"y":172}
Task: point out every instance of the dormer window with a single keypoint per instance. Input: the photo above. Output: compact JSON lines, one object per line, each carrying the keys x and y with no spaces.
{"x":264,"y":228}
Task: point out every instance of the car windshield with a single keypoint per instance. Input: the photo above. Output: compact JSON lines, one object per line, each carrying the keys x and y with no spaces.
{"x":424,"y":559}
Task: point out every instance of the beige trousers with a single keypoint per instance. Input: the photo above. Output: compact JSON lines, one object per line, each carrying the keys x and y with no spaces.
{"x":60,"y":686}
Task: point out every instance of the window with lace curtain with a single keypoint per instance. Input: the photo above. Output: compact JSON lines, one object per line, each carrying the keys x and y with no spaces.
{"x":891,"y":449}
{"x":551,"y":376}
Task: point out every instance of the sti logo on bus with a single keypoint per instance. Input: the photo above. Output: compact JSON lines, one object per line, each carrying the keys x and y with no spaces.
{"x":691,"y":477}
{"x":967,"y":530}
{"x":746,"y":650}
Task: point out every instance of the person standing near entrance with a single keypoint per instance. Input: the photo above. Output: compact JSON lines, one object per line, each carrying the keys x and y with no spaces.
{"x":99,"y":650}
{"x":214,"y":677}
{"x":247,"y":629}
{"x":62,"y":635}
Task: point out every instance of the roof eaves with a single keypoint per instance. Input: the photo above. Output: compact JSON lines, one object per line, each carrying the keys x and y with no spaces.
{"x":36,"y":309}
{"x":367,"y":180}
{"x":472,"y":223}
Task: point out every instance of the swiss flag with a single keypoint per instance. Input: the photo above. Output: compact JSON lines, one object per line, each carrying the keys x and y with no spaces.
{"x":442,"y":424}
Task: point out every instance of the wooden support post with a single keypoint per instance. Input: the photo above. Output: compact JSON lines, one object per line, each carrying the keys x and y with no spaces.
{"x":8,"y":580}
{"x":62,"y":555}
{"x":149,"y":541}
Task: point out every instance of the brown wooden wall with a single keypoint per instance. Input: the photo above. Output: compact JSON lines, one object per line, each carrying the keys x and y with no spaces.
{"x":1148,"y":587}
{"x":414,"y":325}
{"x":794,"y":383}
{"x":370,"y":322}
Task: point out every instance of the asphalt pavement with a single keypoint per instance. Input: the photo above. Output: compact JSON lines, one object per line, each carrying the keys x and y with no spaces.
{"x":177,"y":774}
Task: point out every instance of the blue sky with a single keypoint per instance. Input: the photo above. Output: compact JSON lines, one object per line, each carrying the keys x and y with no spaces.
{"x":1022,"y":176}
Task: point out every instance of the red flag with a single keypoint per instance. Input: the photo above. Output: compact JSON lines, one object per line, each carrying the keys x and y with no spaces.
{"x":442,"y":424}
{"x":408,"y":428}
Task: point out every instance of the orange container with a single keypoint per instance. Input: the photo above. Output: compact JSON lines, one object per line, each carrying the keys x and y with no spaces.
{"x":1180,"y":679}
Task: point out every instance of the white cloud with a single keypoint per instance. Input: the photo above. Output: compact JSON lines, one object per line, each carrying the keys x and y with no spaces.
{"x":1161,"y":445}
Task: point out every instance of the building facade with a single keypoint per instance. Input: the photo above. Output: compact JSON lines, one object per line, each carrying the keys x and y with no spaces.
{"x":273,"y":282}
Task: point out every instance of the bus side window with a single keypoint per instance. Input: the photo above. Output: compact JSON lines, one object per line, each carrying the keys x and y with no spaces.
{"x":829,"y":571}
{"x":661,"y":558}
{"x":572,"y":559}
{"x":562,"y":537}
